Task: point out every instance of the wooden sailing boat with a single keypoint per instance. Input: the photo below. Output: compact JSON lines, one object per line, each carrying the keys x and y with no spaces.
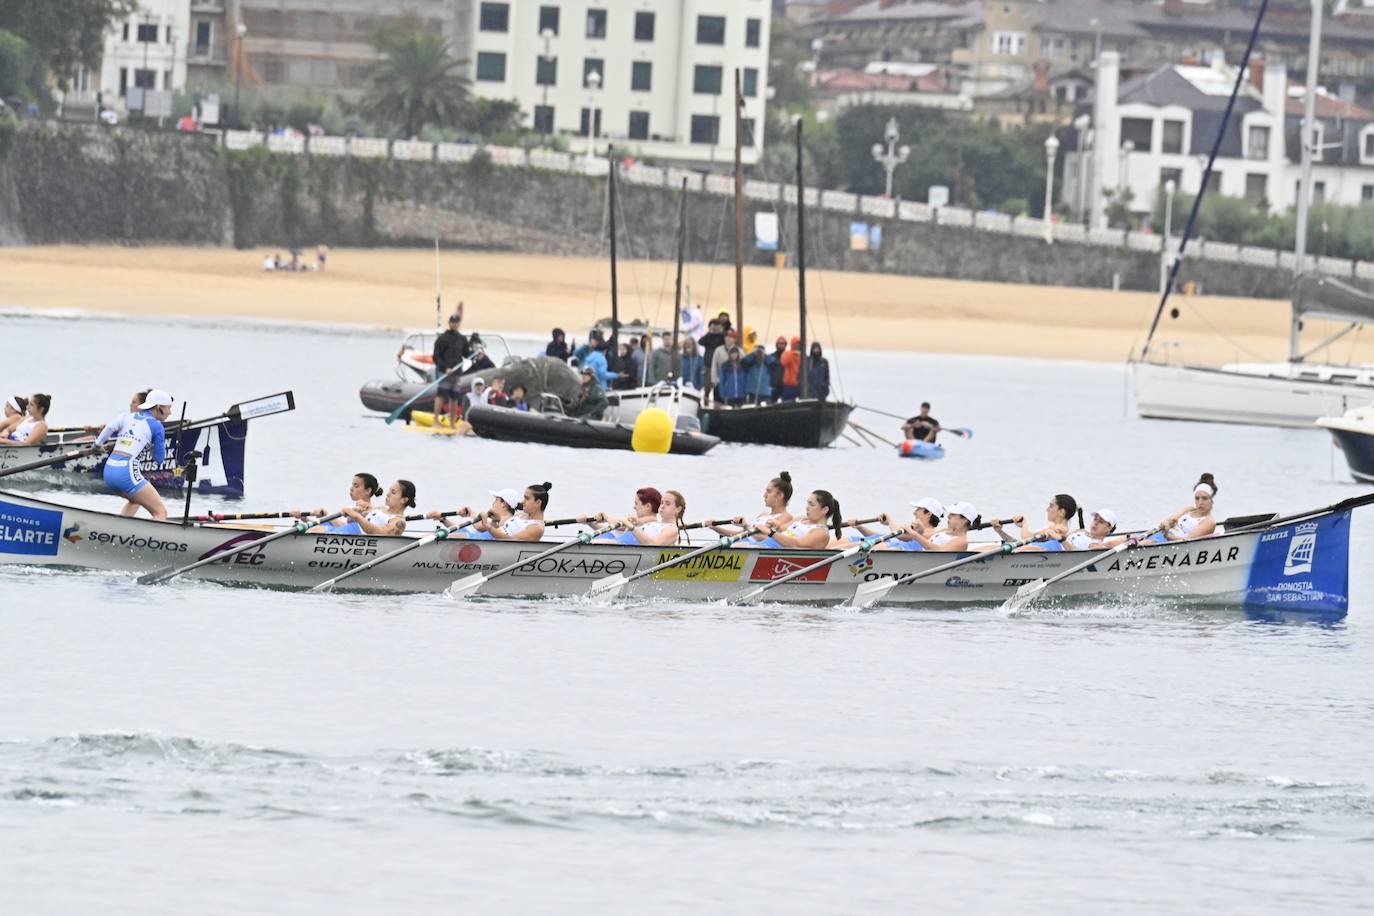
{"x":806,"y":422}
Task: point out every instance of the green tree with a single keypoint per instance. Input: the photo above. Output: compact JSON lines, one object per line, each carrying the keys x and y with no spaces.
{"x":20,"y":72}
{"x":418,"y":81}
{"x":492,"y":117}
{"x":788,"y":52}
{"x":64,"y":34}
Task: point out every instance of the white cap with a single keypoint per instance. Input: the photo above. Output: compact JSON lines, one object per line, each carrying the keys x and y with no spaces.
{"x":156,"y":398}
{"x":965,"y":509}
{"x":508,"y":496}
{"x":479,"y":381}
{"x":931,"y":505}
{"x":1107,"y":515}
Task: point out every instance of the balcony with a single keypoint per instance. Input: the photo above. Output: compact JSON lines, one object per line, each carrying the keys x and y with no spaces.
{"x":207,"y":6}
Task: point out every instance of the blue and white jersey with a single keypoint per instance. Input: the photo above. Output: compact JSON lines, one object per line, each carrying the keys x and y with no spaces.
{"x":138,"y":431}
{"x":111,"y":428}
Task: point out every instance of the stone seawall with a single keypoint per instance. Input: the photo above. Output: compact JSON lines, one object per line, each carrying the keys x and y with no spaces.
{"x":87,"y":185}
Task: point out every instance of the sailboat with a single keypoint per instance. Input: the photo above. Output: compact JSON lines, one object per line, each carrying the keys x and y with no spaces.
{"x":806,"y":422}
{"x":1294,"y":393}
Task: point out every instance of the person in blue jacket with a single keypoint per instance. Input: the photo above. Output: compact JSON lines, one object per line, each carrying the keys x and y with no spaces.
{"x":595,"y":360}
{"x":692,"y":363}
{"x":759,"y":386}
{"x":733,"y":379}
{"x":132,"y":433}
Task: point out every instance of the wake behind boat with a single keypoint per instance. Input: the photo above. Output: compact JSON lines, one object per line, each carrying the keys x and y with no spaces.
{"x":1298,"y":563}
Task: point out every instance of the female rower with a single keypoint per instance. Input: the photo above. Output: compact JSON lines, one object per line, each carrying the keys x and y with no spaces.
{"x":512,"y":516}
{"x":1196,"y":520}
{"x":16,"y":406}
{"x":647,"y":502}
{"x":134,"y":401}
{"x":926,"y":515}
{"x":1061,"y":509}
{"x":775,"y":499}
{"x":1101,"y":526}
{"x":136,"y":432}
{"x":808,"y":532}
{"x":960,"y":518}
{"x":390,"y":519}
{"x":31,"y":427}
{"x":362,"y":490}
{"x":666,"y":528}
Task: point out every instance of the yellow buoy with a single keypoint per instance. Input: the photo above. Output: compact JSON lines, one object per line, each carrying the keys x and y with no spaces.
{"x":653,"y":432}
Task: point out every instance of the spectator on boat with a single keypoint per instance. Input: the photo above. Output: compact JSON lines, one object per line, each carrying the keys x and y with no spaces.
{"x":480,"y":359}
{"x":718,"y":358}
{"x":692,"y":363}
{"x":1194,"y":521}
{"x":450,"y":349}
{"x":922,"y":427}
{"x":723,"y":319}
{"x":591,"y":403}
{"x":775,"y":368}
{"x":733,"y":379}
{"x":477,"y":395}
{"x":518,"y":396}
{"x":595,"y":359}
{"x":624,"y":370}
{"x":818,"y":374}
{"x":791,"y":371}
{"x":758,"y":388}
{"x":31,"y":427}
{"x":661,"y":360}
{"x":496,"y":393}
{"x":776,"y":496}
{"x":557,"y":347}
{"x":389,"y":519}
{"x":1059,"y":513}
{"x":636,"y":355}
{"x":712,"y":340}
{"x":580,"y":353}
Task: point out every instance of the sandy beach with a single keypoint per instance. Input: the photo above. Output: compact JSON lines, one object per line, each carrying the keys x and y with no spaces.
{"x":395,"y":289}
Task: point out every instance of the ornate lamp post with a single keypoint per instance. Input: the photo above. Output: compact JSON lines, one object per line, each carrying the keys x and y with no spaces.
{"x":892,"y":156}
{"x":1166,"y":254}
{"x":240,"y":30}
{"x":1051,"y":150}
{"x":594,"y":84}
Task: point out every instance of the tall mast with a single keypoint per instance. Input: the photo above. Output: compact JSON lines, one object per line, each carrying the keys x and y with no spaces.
{"x":1308,"y":138}
{"x":739,"y":210}
{"x":615,"y":300}
{"x":677,"y":299}
{"x":801,"y":262}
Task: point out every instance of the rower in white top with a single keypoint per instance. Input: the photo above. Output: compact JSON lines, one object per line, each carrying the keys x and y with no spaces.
{"x":513,"y":516}
{"x":361,"y":490}
{"x":1194,"y":521}
{"x":809,"y":531}
{"x":775,"y":499}
{"x":666,"y":526}
{"x":29,"y":427}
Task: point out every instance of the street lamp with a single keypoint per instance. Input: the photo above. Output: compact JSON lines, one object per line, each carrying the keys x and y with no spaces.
{"x":1166,"y":254}
{"x":240,"y":30}
{"x":1051,"y":150}
{"x":893,"y":155}
{"x":547,"y":35}
{"x":1084,"y":141}
{"x":594,"y":84}
{"x":1122,"y":178}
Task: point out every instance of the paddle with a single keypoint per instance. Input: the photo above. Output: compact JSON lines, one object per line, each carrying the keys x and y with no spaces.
{"x":749,"y":596}
{"x":870,"y":593}
{"x":619,"y":581}
{"x":962,"y":433}
{"x":1028,"y":592}
{"x":462,"y":588}
{"x":438,"y":535}
{"x":57,"y":459}
{"x":162,"y":575}
{"x":426,"y":390}
{"x":245,"y":410}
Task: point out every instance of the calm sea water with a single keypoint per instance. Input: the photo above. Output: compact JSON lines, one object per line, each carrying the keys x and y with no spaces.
{"x":201,"y":748}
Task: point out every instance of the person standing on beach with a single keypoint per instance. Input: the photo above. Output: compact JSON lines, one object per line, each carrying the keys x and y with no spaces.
{"x":450,"y":349}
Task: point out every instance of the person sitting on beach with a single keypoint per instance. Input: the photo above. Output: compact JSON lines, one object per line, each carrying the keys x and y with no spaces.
{"x":268,"y":263}
{"x":922,"y":427}
{"x":30,"y":428}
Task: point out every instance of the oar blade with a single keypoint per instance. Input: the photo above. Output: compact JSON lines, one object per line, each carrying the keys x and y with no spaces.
{"x":325,"y":586}
{"x":466,"y":587}
{"x":157,"y":576}
{"x":747,"y":597}
{"x":608,"y":588}
{"x":1024,"y":596}
{"x":870,"y":593}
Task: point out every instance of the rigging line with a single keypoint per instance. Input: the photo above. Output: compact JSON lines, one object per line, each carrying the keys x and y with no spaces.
{"x":601,"y":253}
{"x":830,"y":326}
{"x":1226,"y":337}
{"x":1242,"y":72}
{"x":629,"y":250}
{"x":1354,"y":341}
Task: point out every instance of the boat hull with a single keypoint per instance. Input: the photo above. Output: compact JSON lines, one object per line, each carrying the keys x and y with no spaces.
{"x":802,"y":424}
{"x":506,"y":425}
{"x":1297,"y":566}
{"x":1354,"y":434}
{"x":626,"y":406}
{"x":1223,"y":396}
{"x":922,"y":451}
{"x":385,"y":395}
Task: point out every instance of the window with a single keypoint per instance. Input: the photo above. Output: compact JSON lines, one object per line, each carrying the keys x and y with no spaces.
{"x":1318,"y":191}
{"x":548,"y":19}
{"x":147,"y":33}
{"x":1256,"y":187}
{"x":126,"y":31}
{"x":705,"y":129}
{"x":1257,"y":145}
{"x":753,"y":30}
{"x":710,"y":30}
{"x":543,"y":118}
{"x":1173,"y":137}
{"x":639,"y":125}
{"x":746,"y":131}
{"x":1366,"y":194}
{"x":124,"y":81}
{"x":587,"y":120}
{"x":1174,"y":175}
{"x":641,"y":76}
{"x":750,"y":86}
{"x":145,"y":79}
{"x":1369,"y":146}
{"x":1214,"y":183}
{"x":205,"y":34}
{"x":644,"y":26}
{"x":494,"y":17}
{"x":1053,"y":45}
{"x":546,"y":71}
{"x":491,"y":67}
{"x":592,"y":65}
{"x":596,"y":23}
{"x":706,"y":80}
{"x":1138,"y":131}
{"x":1008,"y":43}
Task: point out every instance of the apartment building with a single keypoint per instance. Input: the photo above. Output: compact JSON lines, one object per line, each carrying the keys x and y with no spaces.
{"x":653,"y":76}
{"x":146,"y":50}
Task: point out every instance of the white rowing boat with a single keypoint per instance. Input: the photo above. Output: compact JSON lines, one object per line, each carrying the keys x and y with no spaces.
{"x":1297,"y":563}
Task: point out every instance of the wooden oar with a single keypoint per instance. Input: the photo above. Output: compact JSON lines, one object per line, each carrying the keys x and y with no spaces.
{"x":56,"y":459}
{"x":617,"y":583}
{"x":749,"y":596}
{"x":870,"y":593}
{"x":438,"y":535}
{"x":289,"y":513}
{"x":1028,"y":592}
{"x":462,"y":588}
{"x":162,"y":575}
{"x":426,"y":390}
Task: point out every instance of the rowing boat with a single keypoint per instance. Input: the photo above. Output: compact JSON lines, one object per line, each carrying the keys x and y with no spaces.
{"x":1299,"y":563}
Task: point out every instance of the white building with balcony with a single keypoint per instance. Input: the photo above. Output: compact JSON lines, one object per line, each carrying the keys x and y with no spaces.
{"x":146,"y":50}
{"x":655,"y":77}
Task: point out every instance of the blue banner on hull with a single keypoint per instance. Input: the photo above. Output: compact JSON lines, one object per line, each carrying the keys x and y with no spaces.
{"x":1303,"y":567}
{"x":29,"y":531}
{"x":221,"y":460}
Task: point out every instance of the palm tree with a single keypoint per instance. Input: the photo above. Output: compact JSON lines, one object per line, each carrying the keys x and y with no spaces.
{"x":418,"y":81}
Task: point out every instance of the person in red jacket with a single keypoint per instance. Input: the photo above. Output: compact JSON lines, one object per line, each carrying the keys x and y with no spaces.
{"x":791,"y":370}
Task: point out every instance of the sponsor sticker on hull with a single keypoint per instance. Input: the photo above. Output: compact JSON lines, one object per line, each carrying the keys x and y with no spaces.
{"x":766,"y":569}
{"x":721,"y":566}
{"x":29,"y":531}
{"x":578,"y":565}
